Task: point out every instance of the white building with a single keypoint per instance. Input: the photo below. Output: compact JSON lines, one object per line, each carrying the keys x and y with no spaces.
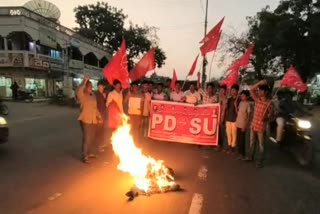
{"x":39,"y":53}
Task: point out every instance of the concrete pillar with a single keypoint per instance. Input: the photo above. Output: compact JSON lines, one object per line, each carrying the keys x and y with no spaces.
{"x":5,"y":40}
{"x":35,"y":47}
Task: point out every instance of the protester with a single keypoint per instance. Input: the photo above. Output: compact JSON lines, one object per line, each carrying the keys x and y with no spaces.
{"x":230,"y":117}
{"x":115,"y":106}
{"x":222,"y":124}
{"x":159,"y":94}
{"x":135,"y":102}
{"x":177,"y":94}
{"x":167,"y":90}
{"x":242,"y":122}
{"x":101,"y":103}
{"x":262,"y":111}
{"x":208,"y":97}
{"x":150,"y":87}
{"x":146,"y":108}
{"x":191,"y":96}
{"x":14,"y":87}
{"x":89,"y":118}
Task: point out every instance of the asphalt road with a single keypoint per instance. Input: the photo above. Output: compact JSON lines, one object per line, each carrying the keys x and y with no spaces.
{"x":40,"y":172}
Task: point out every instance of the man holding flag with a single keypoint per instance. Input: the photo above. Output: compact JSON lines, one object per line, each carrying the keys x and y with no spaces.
{"x":262,"y":111}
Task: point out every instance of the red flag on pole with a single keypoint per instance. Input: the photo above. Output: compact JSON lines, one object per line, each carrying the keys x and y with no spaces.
{"x":231,"y":79}
{"x":193,"y":67}
{"x":243,"y":60}
{"x":117,"y":68}
{"x":213,"y":32}
{"x":174,"y":80}
{"x":293,"y":80}
{"x":210,"y":45}
{"x":146,"y":64}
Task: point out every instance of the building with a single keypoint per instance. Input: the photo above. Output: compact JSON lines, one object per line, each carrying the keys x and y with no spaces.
{"x":41,"y":55}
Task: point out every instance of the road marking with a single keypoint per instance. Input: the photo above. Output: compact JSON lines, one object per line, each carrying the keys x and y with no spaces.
{"x":54,"y":196}
{"x":196,"y":204}
{"x":202,"y":173}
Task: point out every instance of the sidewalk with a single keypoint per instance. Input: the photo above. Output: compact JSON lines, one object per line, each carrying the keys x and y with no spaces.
{"x":35,"y":100}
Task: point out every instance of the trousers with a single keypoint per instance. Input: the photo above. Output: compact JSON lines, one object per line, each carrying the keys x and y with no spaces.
{"x":88,"y":137}
{"x":231,"y":129}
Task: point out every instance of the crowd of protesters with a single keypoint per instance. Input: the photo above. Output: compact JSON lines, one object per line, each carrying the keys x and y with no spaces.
{"x":99,"y":112}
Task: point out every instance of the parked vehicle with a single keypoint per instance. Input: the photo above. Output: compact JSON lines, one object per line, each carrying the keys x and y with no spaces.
{"x":296,"y":139}
{"x":4,"y":110}
{"x":25,"y":95}
{"x":4,"y":130}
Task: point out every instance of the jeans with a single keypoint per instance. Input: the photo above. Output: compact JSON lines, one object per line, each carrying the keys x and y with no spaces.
{"x":253,"y":141}
{"x":231,"y":129}
{"x":222,"y":135}
{"x":241,"y":141}
{"x":280,"y":126}
{"x":101,"y":135}
{"x":88,"y":138}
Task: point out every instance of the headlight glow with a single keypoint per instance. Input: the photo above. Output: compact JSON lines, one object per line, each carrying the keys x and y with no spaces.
{"x":304,"y":124}
{"x":3,"y":121}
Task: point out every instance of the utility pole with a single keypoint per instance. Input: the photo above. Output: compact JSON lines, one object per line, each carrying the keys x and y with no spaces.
{"x":205,"y":62}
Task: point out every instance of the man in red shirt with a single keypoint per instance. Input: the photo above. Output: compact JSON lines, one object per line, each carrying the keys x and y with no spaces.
{"x":262,"y":111}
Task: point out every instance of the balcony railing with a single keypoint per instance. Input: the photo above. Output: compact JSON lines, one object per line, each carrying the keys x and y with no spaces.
{"x":44,"y":62}
{"x":21,"y":11}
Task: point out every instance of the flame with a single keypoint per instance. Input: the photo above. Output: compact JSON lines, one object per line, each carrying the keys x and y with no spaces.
{"x":147,"y":172}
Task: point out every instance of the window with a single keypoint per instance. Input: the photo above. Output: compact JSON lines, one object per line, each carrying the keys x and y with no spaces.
{"x":55,"y":54}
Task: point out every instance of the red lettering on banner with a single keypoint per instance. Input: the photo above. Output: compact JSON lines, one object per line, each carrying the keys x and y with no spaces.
{"x":184,"y":123}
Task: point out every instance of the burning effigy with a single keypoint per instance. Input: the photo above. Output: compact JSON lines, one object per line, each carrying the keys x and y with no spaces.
{"x":150,"y":176}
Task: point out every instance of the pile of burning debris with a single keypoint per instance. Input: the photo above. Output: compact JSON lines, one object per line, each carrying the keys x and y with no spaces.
{"x":154,"y":188}
{"x":150,"y":176}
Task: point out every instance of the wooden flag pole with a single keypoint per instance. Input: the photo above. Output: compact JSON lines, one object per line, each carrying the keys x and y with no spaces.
{"x":211,"y":65}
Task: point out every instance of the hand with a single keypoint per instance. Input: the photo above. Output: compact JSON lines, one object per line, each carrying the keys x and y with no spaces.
{"x":263,"y":82}
{"x":86,"y":78}
{"x":243,"y":129}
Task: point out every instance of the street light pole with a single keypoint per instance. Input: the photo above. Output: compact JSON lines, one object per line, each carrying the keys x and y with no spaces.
{"x":205,"y":62}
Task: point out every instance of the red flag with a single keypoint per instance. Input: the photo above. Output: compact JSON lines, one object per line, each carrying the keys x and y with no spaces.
{"x":213,"y":32}
{"x":243,"y":60}
{"x":146,"y":64}
{"x":174,"y":80}
{"x":193,"y":67}
{"x":231,"y":79}
{"x":117,"y":68}
{"x":293,"y":80}
{"x":210,"y":45}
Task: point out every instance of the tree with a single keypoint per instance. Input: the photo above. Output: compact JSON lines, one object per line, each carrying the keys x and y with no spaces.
{"x":288,"y":35}
{"x":104,"y":24}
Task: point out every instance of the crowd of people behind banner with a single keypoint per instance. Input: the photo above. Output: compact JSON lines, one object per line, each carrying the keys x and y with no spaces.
{"x":99,"y":111}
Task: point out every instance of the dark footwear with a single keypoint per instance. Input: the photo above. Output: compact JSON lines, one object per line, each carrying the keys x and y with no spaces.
{"x":259,"y":165}
{"x":247,"y":159}
{"x":92,"y":156}
{"x":86,"y":160}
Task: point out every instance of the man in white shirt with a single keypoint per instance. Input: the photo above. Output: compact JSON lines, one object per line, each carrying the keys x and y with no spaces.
{"x":159,"y":94}
{"x":177,"y":94}
{"x":191,"y":96}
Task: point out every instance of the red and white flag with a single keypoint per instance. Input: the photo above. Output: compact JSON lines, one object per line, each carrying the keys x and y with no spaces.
{"x":292,"y":79}
{"x":117,"y":68}
{"x":193,"y":67}
{"x":231,"y":79}
{"x":174,"y":80}
{"x":210,"y":45}
{"x":146,"y":64}
{"x":213,"y":32}
{"x":243,"y":61}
